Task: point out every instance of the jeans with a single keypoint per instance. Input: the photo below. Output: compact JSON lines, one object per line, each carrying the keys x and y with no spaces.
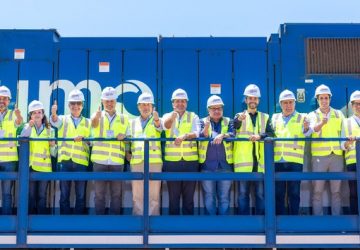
{"x":65,"y":188}
{"x":244,"y":197}
{"x":115,"y":190}
{"x":6,"y":187}
{"x":219,"y":190}
{"x":291,"y":188}
{"x":37,"y":197}
{"x":353,"y":190}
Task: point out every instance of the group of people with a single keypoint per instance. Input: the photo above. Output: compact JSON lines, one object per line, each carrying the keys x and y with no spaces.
{"x":182,"y":154}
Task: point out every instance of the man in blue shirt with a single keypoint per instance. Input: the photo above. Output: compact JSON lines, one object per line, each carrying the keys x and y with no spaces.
{"x":216,"y":156}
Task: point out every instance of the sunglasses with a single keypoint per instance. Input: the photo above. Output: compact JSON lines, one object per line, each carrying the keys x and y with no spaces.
{"x":76,"y":103}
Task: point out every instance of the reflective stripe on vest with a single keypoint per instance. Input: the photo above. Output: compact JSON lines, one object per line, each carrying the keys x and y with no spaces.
{"x":286,"y":150}
{"x":78,"y":152}
{"x":40,"y":158}
{"x":243,"y":150}
{"x":203,"y":145}
{"x":110,"y":150}
{"x":187,"y":150}
{"x":8,"y":149}
{"x":331,"y":129}
{"x":137,"y":147}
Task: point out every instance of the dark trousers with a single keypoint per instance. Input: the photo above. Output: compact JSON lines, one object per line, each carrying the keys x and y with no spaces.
{"x":181,"y":189}
{"x":291,"y":188}
{"x":353,"y":190}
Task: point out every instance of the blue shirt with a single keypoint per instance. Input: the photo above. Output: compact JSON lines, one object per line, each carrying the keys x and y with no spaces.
{"x":215,"y":154}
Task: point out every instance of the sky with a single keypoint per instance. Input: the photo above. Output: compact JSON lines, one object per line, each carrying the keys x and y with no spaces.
{"x":186,"y":18}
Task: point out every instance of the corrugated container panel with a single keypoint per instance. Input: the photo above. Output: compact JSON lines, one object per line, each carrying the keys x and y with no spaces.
{"x":333,"y":55}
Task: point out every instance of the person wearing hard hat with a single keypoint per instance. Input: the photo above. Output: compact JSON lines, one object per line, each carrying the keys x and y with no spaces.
{"x":249,"y":156}
{"x":181,"y":155}
{"x":147,"y":125}
{"x":289,"y":156}
{"x":327,"y":156}
{"x":216,"y":156}
{"x":40,"y":155}
{"x":351,"y":129}
{"x":73,"y":156}
{"x":10,"y":120}
{"x":108,"y":156}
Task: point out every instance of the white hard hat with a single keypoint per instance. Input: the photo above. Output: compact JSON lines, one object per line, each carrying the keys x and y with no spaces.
{"x":179,"y":94}
{"x":76,"y":96}
{"x":35,"y":105}
{"x":322,"y":89}
{"x":252,"y":90}
{"x":214,"y":100}
{"x":145,"y":98}
{"x":355,"y":96}
{"x":286,"y":95}
{"x":109,"y":93}
{"x":4,"y":91}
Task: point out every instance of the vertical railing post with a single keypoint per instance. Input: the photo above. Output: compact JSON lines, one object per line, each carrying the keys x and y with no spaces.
{"x":146,"y":192}
{"x":269,"y":186}
{"x":23,"y":194}
{"x":358,"y":178}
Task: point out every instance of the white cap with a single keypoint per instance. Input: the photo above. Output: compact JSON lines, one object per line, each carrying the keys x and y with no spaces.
{"x":214,"y":100}
{"x":286,"y":95}
{"x":179,"y":94}
{"x":355,"y":96}
{"x":35,"y":105}
{"x":145,"y":98}
{"x":4,"y":91}
{"x":109,"y":93}
{"x":322,"y":89}
{"x":252,"y":90}
{"x":76,"y":96}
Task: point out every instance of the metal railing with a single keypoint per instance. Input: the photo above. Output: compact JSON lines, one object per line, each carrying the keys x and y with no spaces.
{"x":24,"y":230}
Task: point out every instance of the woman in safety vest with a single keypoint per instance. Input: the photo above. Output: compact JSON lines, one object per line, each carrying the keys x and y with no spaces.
{"x":40,"y":155}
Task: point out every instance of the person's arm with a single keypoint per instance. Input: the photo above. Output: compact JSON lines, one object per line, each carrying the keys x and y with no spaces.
{"x":269,"y":131}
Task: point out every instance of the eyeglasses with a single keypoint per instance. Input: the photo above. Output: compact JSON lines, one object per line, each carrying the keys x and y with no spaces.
{"x":76,"y":103}
{"x":356,"y":104}
{"x":216,"y":109}
{"x":324,"y":98}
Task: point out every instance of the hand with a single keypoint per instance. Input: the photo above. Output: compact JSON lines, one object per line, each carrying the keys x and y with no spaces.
{"x":306,"y":124}
{"x":54,"y":108}
{"x":324,"y":120}
{"x":254,"y":138}
{"x":242,"y":116}
{"x":180,"y":139}
{"x":155,"y":115}
{"x":218,"y":139}
{"x":128,"y":156}
{"x":78,"y":138}
{"x":17,"y":113}
{"x":350,"y":142}
{"x":31,"y":123}
{"x":207,"y":122}
{"x":98,"y":113}
{"x":120,"y":137}
{"x":174,"y":115}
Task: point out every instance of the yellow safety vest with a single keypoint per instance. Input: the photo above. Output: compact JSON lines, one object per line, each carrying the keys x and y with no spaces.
{"x":40,"y":158}
{"x":352,"y":128}
{"x":137,"y":147}
{"x":78,"y":152}
{"x":110,"y":150}
{"x":8,"y":149}
{"x":187,"y":150}
{"x":203,"y":145}
{"x":331,"y":129}
{"x":287,"y":150}
{"x":243,"y":150}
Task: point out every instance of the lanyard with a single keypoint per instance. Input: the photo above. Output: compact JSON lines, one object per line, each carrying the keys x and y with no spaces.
{"x":111,"y":120}
{"x":73,"y":120}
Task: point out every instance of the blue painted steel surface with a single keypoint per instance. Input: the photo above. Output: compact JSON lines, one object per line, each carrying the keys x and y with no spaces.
{"x":53,"y":66}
